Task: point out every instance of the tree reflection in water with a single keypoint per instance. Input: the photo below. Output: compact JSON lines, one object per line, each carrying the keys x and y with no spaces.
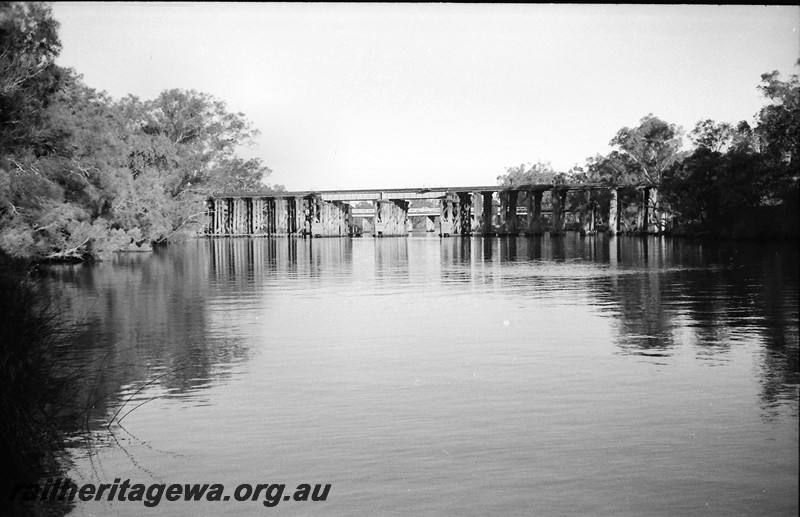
{"x":661,"y":292}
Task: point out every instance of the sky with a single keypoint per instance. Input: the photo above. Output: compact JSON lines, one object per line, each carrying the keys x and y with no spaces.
{"x":352,"y":95}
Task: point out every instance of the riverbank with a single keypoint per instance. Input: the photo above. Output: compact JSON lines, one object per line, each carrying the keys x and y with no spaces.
{"x":768,"y":223}
{"x":32,"y":390}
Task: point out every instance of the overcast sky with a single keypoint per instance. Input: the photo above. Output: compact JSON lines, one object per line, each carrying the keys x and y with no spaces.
{"x":406,"y":95}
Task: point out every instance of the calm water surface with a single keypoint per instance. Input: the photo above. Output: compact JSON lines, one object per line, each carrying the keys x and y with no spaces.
{"x":419,"y":376}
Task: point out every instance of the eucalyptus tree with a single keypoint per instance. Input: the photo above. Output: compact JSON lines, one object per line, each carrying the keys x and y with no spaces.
{"x":653,"y":146}
{"x":714,"y":136}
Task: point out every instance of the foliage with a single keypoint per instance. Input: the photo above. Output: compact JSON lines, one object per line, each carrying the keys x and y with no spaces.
{"x":29,"y":45}
{"x":652,"y":146}
{"x":730,"y":194}
{"x":779,"y":121}
{"x":193,"y":139}
{"x":710,"y":135}
{"x":739,"y":180}
{"x":83,"y":175}
{"x":743,"y":181}
{"x":538,"y":173}
{"x":182,"y":149}
{"x":615,"y":169}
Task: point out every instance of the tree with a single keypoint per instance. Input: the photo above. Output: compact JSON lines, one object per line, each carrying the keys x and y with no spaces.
{"x":744,"y":139}
{"x":779,"y":121}
{"x":29,"y":45}
{"x":183,"y":149}
{"x":98,"y":175}
{"x":653,"y":146}
{"x":530,"y":174}
{"x":191,"y":137}
{"x":692,"y":184}
{"x":616,"y":169}
{"x":730,"y":194}
{"x":29,"y":84}
{"x":58,"y":194}
{"x":714,"y":136}
{"x":743,"y":181}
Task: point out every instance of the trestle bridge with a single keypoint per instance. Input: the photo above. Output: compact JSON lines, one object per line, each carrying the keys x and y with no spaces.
{"x":481,"y":210}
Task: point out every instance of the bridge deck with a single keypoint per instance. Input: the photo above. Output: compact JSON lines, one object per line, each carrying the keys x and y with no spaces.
{"x":421,"y":211}
{"x":413,"y":192}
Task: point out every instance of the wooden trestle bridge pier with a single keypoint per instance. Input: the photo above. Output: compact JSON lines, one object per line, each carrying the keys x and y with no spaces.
{"x":460,"y":211}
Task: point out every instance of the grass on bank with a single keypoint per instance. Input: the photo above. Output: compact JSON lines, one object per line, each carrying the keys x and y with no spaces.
{"x":31,"y":389}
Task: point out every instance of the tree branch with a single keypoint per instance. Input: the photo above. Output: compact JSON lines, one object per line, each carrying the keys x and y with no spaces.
{"x":72,"y":253}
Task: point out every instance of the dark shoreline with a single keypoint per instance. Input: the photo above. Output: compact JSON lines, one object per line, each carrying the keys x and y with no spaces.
{"x":34,"y":392}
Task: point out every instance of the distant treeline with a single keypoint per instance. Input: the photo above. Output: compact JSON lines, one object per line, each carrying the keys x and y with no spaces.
{"x":82,"y":174}
{"x":738,"y":181}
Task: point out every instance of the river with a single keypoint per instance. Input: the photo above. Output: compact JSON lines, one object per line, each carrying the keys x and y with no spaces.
{"x":427,"y":376}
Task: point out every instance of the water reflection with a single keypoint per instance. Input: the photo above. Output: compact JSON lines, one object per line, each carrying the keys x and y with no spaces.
{"x":397,"y":349}
{"x":391,"y":260}
{"x":145,"y":316}
{"x":660,"y":293}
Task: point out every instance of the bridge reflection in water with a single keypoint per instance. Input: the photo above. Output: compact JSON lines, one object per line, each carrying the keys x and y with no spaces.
{"x":654,"y":358}
{"x":492,"y":210}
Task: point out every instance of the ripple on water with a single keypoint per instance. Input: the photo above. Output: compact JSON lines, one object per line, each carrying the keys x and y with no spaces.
{"x":417,"y":376}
